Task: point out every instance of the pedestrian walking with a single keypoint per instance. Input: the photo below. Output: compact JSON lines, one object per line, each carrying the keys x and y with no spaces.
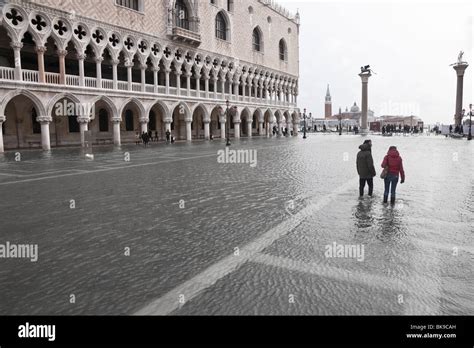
{"x":137,"y":138}
{"x":365,"y":168}
{"x":393,"y":168}
{"x":168,"y":136}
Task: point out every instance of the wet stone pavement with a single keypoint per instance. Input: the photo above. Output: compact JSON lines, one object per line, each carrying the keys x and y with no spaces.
{"x":221,"y":238}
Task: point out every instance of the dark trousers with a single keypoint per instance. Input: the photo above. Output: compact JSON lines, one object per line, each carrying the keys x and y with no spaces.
{"x":370,"y":183}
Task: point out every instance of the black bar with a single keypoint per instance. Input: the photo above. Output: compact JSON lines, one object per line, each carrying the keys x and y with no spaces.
{"x":290,"y":331}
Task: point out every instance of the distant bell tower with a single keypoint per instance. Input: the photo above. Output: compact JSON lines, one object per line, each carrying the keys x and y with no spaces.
{"x":328,"y":105}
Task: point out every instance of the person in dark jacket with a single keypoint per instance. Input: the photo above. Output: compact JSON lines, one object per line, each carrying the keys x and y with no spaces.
{"x":365,"y":167}
{"x":394,"y":163}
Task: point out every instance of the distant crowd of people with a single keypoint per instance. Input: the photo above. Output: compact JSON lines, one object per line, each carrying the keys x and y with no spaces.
{"x":146,"y":137}
{"x":393,"y":128}
{"x":457,"y":130}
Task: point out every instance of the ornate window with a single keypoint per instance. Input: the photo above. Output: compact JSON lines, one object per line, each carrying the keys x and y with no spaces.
{"x":103,"y":120}
{"x":257,"y":40}
{"x":182,"y":15}
{"x":283,"y":51}
{"x":221,"y":27}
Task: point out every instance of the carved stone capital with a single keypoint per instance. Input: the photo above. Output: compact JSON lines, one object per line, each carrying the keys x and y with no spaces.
{"x":16,"y":45}
{"x":83,"y":119}
{"x":40,"y":49}
{"x":2,"y":119}
{"x":62,"y":53}
{"x":44,"y":119}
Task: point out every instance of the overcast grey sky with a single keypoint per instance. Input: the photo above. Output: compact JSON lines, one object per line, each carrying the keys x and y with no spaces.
{"x":409,"y":44}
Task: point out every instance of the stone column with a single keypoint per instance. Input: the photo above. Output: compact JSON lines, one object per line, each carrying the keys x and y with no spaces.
{"x":189,"y":131}
{"x":295,"y":128}
{"x":98,"y":69}
{"x":260,"y":128}
{"x":364,"y":129}
{"x":206,"y":85}
{"x":143,"y":68}
{"x":222,"y":121}
{"x":178,"y":82}
{"x":249,"y":128}
{"x":156,"y":70}
{"x":17,"y":46}
{"x":460,"y":69}
{"x":223,"y":88}
{"x":115,"y":63}
{"x":188,"y":83}
{"x":116,"y":123}
{"x":236,"y":90}
{"x":84,"y":126}
{"x":2,"y":119}
{"x":129,"y":66}
{"x":168,"y":125}
{"x":144,"y":125}
{"x":41,"y":71}
{"x":167,"y":81}
{"x":62,"y":66}
{"x":236,"y":128}
{"x":198,"y":84}
{"x":206,"y":129}
{"x":45,"y":137}
{"x":215,"y":87}
{"x":80,"y":58}
{"x":244,"y":87}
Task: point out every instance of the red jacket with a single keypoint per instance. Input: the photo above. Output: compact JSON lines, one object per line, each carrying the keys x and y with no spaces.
{"x":394,"y":163}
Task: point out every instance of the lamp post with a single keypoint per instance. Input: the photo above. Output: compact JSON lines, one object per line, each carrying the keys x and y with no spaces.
{"x":469,"y":137}
{"x":304,"y":118}
{"x":227,"y":123}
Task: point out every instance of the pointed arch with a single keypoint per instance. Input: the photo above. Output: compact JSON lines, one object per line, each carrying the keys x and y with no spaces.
{"x":36,"y":101}
{"x":107,"y":101}
{"x":206,"y":113}
{"x":223,"y":26}
{"x":164,"y":109}
{"x":135,"y":102}
{"x":58,"y":97}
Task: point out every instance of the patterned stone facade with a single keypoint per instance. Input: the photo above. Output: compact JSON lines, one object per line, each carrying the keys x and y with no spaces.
{"x":145,"y":69}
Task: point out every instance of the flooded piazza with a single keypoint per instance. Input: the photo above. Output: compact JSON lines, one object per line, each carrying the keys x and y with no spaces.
{"x":176,"y":230}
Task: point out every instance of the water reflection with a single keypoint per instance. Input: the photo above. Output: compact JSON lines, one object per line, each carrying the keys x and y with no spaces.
{"x":391,"y":224}
{"x":364,"y":213}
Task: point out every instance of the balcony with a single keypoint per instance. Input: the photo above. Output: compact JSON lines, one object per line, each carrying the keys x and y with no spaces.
{"x":53,"y":80}
{"x":186,"y":36}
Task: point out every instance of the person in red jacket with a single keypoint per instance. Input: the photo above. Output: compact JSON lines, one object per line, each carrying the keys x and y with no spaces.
{"x":394,"y":163}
